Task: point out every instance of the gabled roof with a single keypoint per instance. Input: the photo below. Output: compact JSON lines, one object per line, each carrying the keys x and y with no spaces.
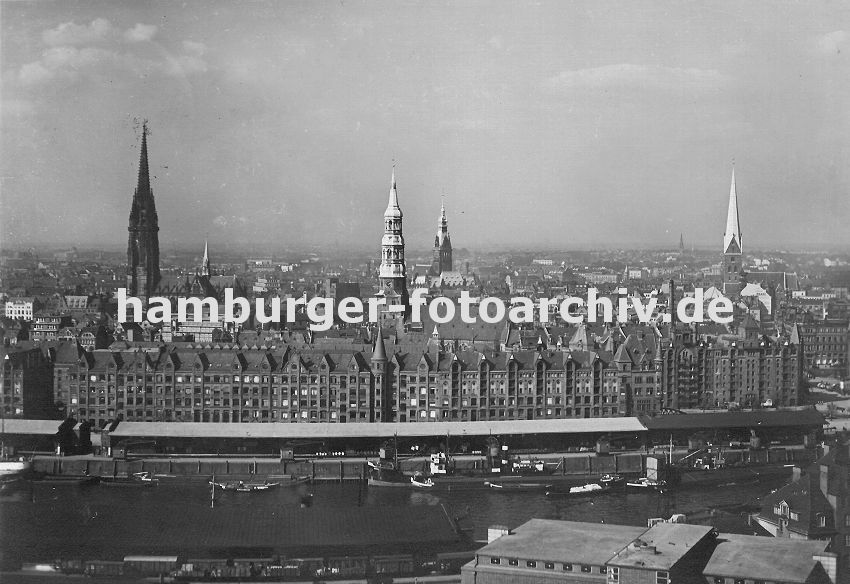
{"x":804,"y":498}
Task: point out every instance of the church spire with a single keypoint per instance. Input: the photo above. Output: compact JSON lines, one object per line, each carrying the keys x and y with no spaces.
{"x":442,"y":261}
{"x":143,"y":275}
{"x":733,"y":250}
{"x":732,"y":237}
{"x":205,"y":263}
{"x":379,"y":354}
{"x":143,"y":187}
{"x":393,"y":210}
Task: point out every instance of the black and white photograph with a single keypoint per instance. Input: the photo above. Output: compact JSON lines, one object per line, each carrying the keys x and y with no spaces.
{"x":451,"y":292}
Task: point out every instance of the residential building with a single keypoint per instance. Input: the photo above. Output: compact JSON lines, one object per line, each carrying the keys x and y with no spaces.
{"x":826,"y":345}
{"x":25,"y":381}
{"x":815,"y":506}
{"x":21,"y":308}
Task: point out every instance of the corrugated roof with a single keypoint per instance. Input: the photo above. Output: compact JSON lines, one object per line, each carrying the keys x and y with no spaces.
{"x":374,"y":430}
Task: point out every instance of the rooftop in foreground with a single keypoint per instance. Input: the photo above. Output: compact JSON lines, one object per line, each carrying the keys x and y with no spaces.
{"x":564,"y":541}
{"x":764,"y":558}
{"x":661,"y":546}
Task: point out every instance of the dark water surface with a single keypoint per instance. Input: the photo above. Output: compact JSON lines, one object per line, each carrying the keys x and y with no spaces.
{"x":40,"y":522}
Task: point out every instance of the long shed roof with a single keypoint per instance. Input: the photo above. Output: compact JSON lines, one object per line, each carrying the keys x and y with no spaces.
{"x":373,"y":430}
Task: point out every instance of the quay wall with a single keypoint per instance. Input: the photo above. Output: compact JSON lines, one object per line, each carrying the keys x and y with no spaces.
{"x":589,"y":464}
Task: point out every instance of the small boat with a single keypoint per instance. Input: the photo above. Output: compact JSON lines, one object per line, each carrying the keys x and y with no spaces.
{"x":58,"y":480}
{"x":611,"y":480}
{"x":421,"y":482}
{"x":296,"y":480}
{"x":646,"y":484}
{"x":137,"y":479}
{"x":250,"y":488}
{"x":243,"y":487}
{"x":11,"y":468}
{"x":518,"y":487}
{"x":582,"y":490}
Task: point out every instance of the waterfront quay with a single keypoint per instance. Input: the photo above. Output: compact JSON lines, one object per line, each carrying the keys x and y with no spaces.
{"x":566,"y":466}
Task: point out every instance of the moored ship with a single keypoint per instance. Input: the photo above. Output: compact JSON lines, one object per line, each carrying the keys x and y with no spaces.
{"x":13,"y":468}
{"x":386,"y":474}
{"x":579,"y":491}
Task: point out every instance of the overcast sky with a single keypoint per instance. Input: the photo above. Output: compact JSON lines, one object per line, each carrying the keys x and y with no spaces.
{"x":561,"y":124}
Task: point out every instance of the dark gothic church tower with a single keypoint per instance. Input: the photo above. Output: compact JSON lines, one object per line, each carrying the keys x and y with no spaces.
{"x":442,"y":246}
{"x":143,"y":243}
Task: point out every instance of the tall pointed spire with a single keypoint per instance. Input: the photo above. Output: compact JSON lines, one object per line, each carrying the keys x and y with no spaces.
{"x":733,"y":249}
{"x":732,"y":237}
{"x":442,"y":261}
{"x":393,"y":210}
{"x":380,"y":352}
{"x":144,"y":184}
{"x":143,"y":275}
{"x":205,"y":263}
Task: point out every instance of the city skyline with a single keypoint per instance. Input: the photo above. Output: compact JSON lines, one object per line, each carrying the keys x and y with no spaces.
{"x":535,"y":137}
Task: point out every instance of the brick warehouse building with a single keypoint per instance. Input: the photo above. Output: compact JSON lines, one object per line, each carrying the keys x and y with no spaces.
{"x":410,"y":382}
{"x":25,"y":381}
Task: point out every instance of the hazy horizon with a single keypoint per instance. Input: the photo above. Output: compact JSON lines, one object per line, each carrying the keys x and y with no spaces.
{"x":547,"y":125}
